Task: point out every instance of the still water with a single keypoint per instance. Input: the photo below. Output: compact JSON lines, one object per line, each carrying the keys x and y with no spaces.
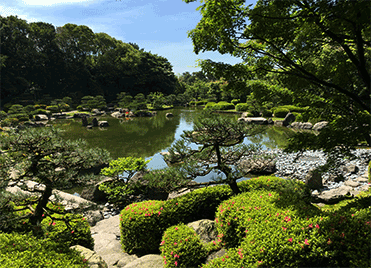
{"x":148,"y":136}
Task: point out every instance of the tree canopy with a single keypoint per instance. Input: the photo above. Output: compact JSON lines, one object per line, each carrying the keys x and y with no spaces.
{"x":320,"y":50}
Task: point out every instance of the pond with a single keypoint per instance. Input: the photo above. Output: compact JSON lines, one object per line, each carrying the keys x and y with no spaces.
{"x":149,"y":136}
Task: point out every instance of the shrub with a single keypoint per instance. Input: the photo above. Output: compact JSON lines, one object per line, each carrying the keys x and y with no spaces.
{"x":235,"y":101}
{"x":40,"y":106}
{"x":222,"y":105}
{"x":3,"y":115}
{"x":267,"y":113}
{"x":280,"y":112}
{"x":202,"y":102}
{"x":210,"y":105}
{"x":182,"y":247}
{"x":242,"y":107}
{"x":76,"y":232}
{"x":41,"y":111}
{"x":156,"y":216}
{"x":369,"y":171}
{"x":53,"y":108}
{"x":293,"y":108}
{"x":272,"y":229}
{"x":24,"y":250}
{"x":10,"y":121}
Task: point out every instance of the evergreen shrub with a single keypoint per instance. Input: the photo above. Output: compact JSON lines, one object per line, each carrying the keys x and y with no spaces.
{"x":24,"y":250}
{"x":235,"y":101}
{"x":40,"y":106}
{"x":267,"y":113}
{"x":369,"y":172}
{"x":76,"y":232}
{"x":182,"y":247}
{"x":242,"y":107}
{"x":280,"y":112}
{"x":9,"y":121}
{"x":3,"y":115}
{"x":41,"y":111}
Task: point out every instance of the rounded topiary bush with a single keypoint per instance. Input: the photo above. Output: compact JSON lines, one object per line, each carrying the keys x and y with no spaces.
{"x":24,"y":250}
{"x":182,"y":247}
{"x":68,"y":229}
{"x":267,"y":113}
{"x":142,"y":224}
{"x":242,"y":107}
{"x":210,"y":105}
{"x":280,"y":112}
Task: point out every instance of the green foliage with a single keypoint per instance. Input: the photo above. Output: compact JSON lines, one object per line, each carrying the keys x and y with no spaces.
{"x":41,"y":111}
{"x":369,"y":172}
{"x":220,"y":106}
{"x":182,"y":247}
{"x":53,"y":109}
{"x":235,"y":101}
{"x":267,"y":113}
{"x":3,"y":115}
{"x":142,"y":224}
{"x":121,"y":169}
{"x":24,"y":250}
{"x":280,"y":112}
{"x":242,"y":107}
{"x":10,"y":121}
{"x":275,"y":229}
{"x":68,"y":230}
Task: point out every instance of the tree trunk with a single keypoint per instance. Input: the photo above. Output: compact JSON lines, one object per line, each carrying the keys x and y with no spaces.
{"x":39,"y":211}
{"x":234,"y":187}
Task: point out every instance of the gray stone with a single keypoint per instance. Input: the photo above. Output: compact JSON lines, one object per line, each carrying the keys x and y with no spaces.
{"x":270,"y":121}
{"x":334,"y":195}
{"x":289,"y":118}
{"x":215,"y":255}
{"x":258,"y":167}
{"x":257,"y":120}
{"x":278,"y":123}
{"x":169,"y":115}
{"x":124,"y":261}
{"x":352,"y":169}
{"x":95,"y":122}
{"x":93,"y":216}
{"x":361,"y":179}
{"x":147,"y":261}
{"x":103,"y":124}
{"x":314,"y":179}
{"x":118,"y":114}
{"x":206,"y":229}
{"x":351,"y":183}
{"x":320,"y":125}
{"x":92,"y":258}
{"x":40,"y":117}
{"x":307,"y":125}
{"x":244,"y":115}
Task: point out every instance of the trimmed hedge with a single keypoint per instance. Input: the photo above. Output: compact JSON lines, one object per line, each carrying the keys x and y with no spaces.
{"x":280,"y":112}
{"x":220,"y":106}
{"x":242,"y":107}
{"x":182,"y":247}
{"x":273,"y":229}
{"x":157,"y":216}
{"x":24,"y":250}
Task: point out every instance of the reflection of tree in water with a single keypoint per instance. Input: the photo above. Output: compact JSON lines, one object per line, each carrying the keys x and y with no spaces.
{"x":272,"y":137}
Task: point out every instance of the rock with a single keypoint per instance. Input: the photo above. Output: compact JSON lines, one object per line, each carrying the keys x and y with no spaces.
{"x":352,"y":169}
{"x":257,"y":120}
{"x":334,"y":195}
{"x":80,"y":115}
{"x":307,"y":125}
{"x":289,"y":118}
{"x":215,"y":255}
{"x":361,"y":179}
{"x":96,"y":112}
{"x":84,"y":121}
{"x":147,"y":261}
{"x":93,"y":260}
{"x":30,"y":124}
{"x":270,"y":121}
{"x":118,"y":114}
{"x":278,"y":123}
{"x":89,"y":126}
{"x":259,"y":167}
{"x":301,"y":125}
{"x":169,"y":115}
{"x":103,"y":124}
{"x":320,"y":125}
{"x":93,"y":216}
{"x":130,"y":114}
{"x":351,"y":183}
{"x":124,"y":261}
{"x":244,"y":115}
{"x":335,"y":178}
{"x":40,"y":117}
{"x":314,"y":179}
{"x":206,"y":229}
{"x":95,"y":122}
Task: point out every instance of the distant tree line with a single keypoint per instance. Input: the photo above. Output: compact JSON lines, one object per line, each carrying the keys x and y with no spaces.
{"x":38,"y":59}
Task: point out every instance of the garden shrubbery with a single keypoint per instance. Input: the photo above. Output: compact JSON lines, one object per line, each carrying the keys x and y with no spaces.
{"x":24,"y":250}
{"x":242,"y":107}
{"x":280,"y":112}
{"x":220,"y":106}
{"x":271,"y":224}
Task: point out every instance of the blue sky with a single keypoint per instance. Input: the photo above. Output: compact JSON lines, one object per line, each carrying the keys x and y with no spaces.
{"x":159,"y":26}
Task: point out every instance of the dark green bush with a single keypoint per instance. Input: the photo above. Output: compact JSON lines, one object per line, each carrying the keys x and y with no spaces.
{"x":182,"y":247}
{"x":293,"y":108}
{"x":10,"y":121}
{"x":235,"y":101}
{"x":41,"y":111}
{"x":369,"y":171}
{"x":202,"y":102}
{"x":24,"y":250}
{"x":40,"y":106}
{"x":220,"y":106}
{"x":280,"y":112}
{"x":3,"y":115}
{"x":267,"y":113}
{"x":76,"y":232}
{"x":210,"y":105}
{"x":242,"y":107}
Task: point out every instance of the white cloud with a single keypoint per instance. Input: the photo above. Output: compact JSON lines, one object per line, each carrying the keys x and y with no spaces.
{"x":52,"y":2}
{"x":9,"y":11}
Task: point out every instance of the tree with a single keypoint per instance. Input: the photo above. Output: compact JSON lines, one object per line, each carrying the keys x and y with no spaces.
{"x":41,"y":155}
{"x":220,"y":147}
{"x":320,"y":49}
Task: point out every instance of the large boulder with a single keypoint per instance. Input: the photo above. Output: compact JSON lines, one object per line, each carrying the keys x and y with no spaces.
{"x":352,"y":169}
{"x":301,"y":125}
{"x":92,"y":259}
{"x":95,"y":122}
{"x":118,"y":114}
{"x":320,"y":125}
{"x":333,"y":196}
{"x":40,"y":117}
{"x":258,"y":167}
{"x":314,"y":179}
{"x":289,"y":118}
{"x":103,"y":124}
{"x":206,"y":229}
{"x":257,"y":120}
{"x":147,"y":261}
{"x":93,"y":216}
